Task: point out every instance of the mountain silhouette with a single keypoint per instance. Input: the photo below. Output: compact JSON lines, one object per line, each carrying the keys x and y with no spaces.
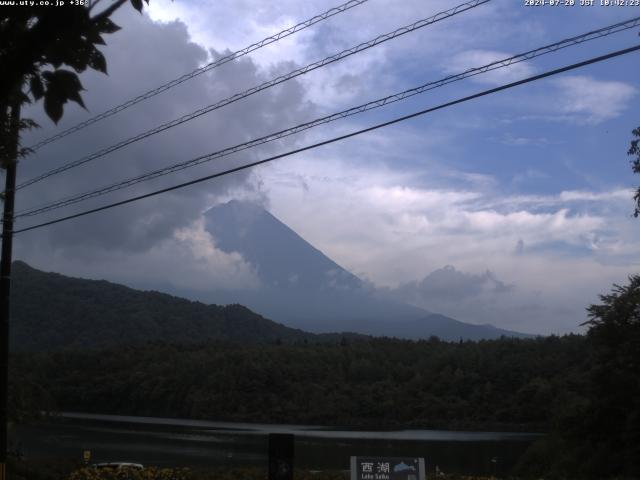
{"x":55,"y":312}
{"x":303,"y":288}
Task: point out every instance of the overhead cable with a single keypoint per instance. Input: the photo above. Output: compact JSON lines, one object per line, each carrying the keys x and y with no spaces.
{"x":199,"y":71}
{"x":340,"y":138}
{"x":280,"y":79}
{"x":576,"y":40}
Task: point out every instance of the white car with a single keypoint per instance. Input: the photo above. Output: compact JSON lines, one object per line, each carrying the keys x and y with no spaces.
{"x":118,"y":465}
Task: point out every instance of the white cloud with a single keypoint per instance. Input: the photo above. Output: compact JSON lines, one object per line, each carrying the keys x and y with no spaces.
{"x":566,"y":198}
{"x":522,"y":141}
{"x":587,"y":100}
{"x":391,"y":206}
{"x":385,"y":226}
{"x":188,"y":261}
{"x":157,"y":242}
{"x":396,"y":209}
{"x":141,"y":225}
{"x":233,"y":25}
{"x":622,"y":194}
{"x":529,"y":175}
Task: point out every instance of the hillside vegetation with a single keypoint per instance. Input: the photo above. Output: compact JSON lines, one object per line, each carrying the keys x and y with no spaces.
{"x":227,"y":363}
{"x":54,"y":312}
{"x":506,"y":384}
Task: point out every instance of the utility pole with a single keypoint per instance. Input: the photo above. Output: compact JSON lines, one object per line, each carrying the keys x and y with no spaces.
{"x":5,"y":276}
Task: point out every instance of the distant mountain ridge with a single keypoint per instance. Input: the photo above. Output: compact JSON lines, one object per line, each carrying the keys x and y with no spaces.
{"x":310,"y":295}
{"x":303,"y":288}
{"x":52,"y":312}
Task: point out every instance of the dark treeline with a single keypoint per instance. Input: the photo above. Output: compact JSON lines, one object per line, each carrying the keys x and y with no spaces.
{"x":506,"y":384}
{"x":55,"y":312}
{"x":584,"y":391}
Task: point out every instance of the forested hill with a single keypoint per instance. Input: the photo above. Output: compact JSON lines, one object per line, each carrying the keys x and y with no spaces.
{"x":494,"y":384}
{"x":51,"y":311}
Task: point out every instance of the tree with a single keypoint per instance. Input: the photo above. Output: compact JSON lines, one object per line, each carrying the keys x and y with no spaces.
{"x":612,"y":426}
{"x":37,"y":43}
{"x":634,"y":149}
{"x":42,"y":51}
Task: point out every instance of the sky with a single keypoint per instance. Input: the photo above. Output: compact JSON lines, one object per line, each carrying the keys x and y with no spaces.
{"x":514,"y":209}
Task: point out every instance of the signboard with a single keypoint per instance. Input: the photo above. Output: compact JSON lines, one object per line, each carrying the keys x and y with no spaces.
{"x":387,"y":468}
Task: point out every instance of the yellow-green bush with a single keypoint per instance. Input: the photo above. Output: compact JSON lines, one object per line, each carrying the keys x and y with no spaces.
{"x":125,"y":473}
{"x":247,"y":473}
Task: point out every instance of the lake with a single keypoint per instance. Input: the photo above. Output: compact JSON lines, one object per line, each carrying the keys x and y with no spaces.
{"x":179,"y":442}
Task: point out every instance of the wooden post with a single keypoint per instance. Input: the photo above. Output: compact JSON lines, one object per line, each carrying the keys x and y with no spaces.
{"x":280,"y":456}
{"x":5,"y":282}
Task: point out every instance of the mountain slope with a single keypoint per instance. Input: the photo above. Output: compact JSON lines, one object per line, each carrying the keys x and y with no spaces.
{"x":281,"y":256}
{"x":52,"y":311}
{"x":301,"y":286}
{"x":304,"y":288}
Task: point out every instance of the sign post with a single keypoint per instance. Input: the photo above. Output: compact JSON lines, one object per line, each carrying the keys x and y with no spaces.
{"x":387,"y":468}
{"x":281,"y":456}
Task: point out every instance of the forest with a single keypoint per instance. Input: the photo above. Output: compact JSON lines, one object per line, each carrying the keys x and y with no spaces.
{"x":508,"y":384}
{"x":55,"y":312}
{"x":583,"y":391}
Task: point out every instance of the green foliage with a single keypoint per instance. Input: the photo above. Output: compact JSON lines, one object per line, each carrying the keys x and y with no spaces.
{"x":611,"y":430}
{"x":211,"y":473}
{"x":61,"y":86}
{"x":53,"y":312}
{"x":149,"y":473}
{"x":634,"y":149}
{"x":549,"y":457}
{"x":35,"y":42}
{"x":500,"y":384}
{"x":19,"y":469}
{"x":597,"y":434}
{"x":585,"y":390}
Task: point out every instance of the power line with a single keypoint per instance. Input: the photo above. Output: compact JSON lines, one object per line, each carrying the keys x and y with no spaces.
{"x":342,"y":137}
{"x":221,"y":61}
{"x":576,"y":40}
{"x":282,"y":78}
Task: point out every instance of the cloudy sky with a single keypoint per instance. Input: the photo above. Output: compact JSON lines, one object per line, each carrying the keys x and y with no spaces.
{"x":514,"y":209}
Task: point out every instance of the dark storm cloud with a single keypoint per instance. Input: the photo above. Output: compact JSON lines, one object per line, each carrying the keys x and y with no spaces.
{"x":141,"y":56}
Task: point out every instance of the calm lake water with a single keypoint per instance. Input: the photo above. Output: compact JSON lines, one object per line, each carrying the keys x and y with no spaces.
{"x":176,"y":442}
